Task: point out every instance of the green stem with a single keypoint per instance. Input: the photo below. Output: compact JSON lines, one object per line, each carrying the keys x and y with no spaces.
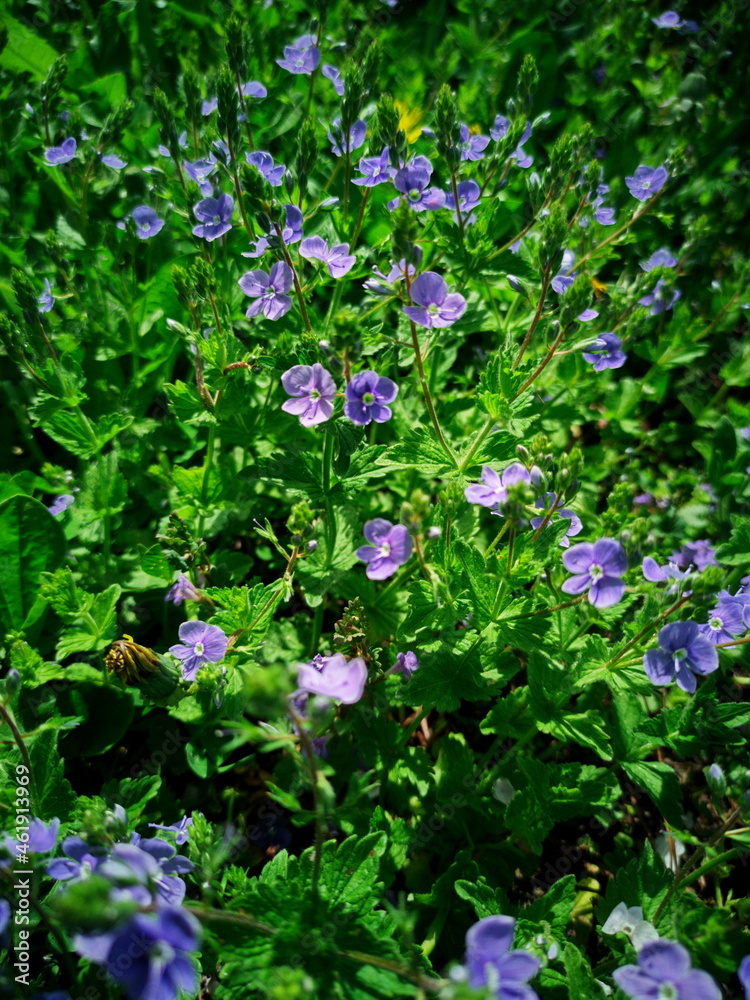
{"x":538,"y":371}
{"x":23,"y":749}
{"x":304,"y":736}
{"x":537,"y":316}
{"x":645,"y":631}
{"x":481,"y":435}
{"x":206,"y":477}
{"x":360,"y":219}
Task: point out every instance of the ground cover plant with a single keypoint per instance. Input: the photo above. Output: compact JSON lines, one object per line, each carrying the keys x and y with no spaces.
{"x":374,"y":526}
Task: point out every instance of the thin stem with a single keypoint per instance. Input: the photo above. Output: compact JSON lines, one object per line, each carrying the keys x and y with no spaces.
{"x":537,"y":316}
{"x":319,"y":819}
{"x":454,"y":186}
{"x":207,"y":477}
{"x":538,"y":371}
{"x":297,"y":286}
{"x":618,"y":232}
{"x":360,"y":219}
{"x":645,"y":631}
{"x":481,"y":435}
{"x":23,"y":749}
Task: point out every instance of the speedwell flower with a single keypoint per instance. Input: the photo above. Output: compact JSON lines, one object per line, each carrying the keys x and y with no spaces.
{"x":263,"y":162}
{"x":215,"y":216}
{"x":338,"y":258}
{"x":303,"y":56}
{"x":147,"y":222}
{"x":646,"y":181}
{"x":598,"y":568}
{"x":201,"y":643}
{"x":493,"y":489}
{"x":436,"y":307}
{"x":64,"y":153}
{"x":725,"y":622}
{"x":664,"y":971}
{"x":313,"y":390}
{"x":390,"y":547}
{"x":161,"y":967}
{"x":366,"y":397}
{"x":334,"y":677}
{"x":605,"y":352}
{"x":412,"y":181}
{"x":489,"y":961}
{"x":682,"y":653}
{"x":269,"y":291}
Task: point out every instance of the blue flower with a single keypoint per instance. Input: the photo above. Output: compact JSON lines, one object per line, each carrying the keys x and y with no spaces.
{"x":605,"y":352}
{"x":664,"y":970}
{"x":646,"y":181}
{"x":412,"y":181}
{"x":682,"y":653}
{"x":58,"y":155}
{"x":366,"y":397}
{"x":269,"y":291}
{"x":490,"y":963}
{"x":263,"y":162}
{"x":301,"y":57}
{"x":375,"y":169}
{"x":215,"y":216}
{"x":161,"y":964}
{"x":201,"y":643}
{"x":147,"y":222}
{"x":339,"y":142}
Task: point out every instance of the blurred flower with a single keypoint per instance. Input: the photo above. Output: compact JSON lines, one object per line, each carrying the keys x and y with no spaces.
{"x":629,"y":921}
{"x":291,"y":232}
{"x":340,"y":144}
{"x":161,"y":966}
{"x":669,"y":19}
{"x":500,"y":129}
{"x":406,"y":663}
{"x":314,"y":392}
{"x":367,"y":396}
{"x":503,"y":791}
{"x":334,"y":677}
{"x":659,"y":299}
{"x":182,"y":590}
{"x":725,"y":622}
{"x":660,"y":258}
{"x":58,"y":155}
{"x":46,"y":300}
{"x":646,"y":181}
{"x":598,"y":568}
{"x":490,"y":963}
{"x":180,"y":829}
{"x":182,"y":142}
{"x":147,"y":222}
{"x":112,"y":160}
{"x":605,"y":352}
{"x":699,"y":554}
{"x":435,"y":308}
{"x":264,"y":164}
{"x":546,"y":503}
{"x":215,"y":216}
{"x":269,"y":291}
{"x":743,"y":974}
{"x":409,"y":120}
{"x":682,"y":653}
{"x":81,"y":860}
{"x":469,"y":195}
{"x":390,"y":547}
{"x":338,"y":258}
{"x":565,"y":276}
{"x":43,"y":836}
{"x":61,"y":503}
{"x":334,"y":75}
{"x":664,"y":971}
{"x":200,"y":170}
{"x":201,"y":643}
{"x":301,"y":57}
{"x":493,"y":490}
{"x":472,"y":147}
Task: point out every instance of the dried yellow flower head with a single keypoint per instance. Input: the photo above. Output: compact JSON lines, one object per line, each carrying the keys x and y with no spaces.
{"x":132,"y":663}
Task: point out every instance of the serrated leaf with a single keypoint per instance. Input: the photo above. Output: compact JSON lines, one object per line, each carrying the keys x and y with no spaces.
{"x":31,"y":543}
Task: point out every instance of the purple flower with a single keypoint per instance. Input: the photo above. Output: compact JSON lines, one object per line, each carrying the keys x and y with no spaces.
{"x":546,"y":503}
{"x":113,"y":161}
{"x":301,"y":57}
{"x":375,"y":169}
{"x":655,"y":573}
{"x":500,"y":129}
{"x":646,"y":181}
{"x":699,"y":554}
{"x":660,"y":300}
{"x":180,"y":829}
{"x":605,"y":352}
{"x":725,"y":622}
{"x":339,"y":142}
{"x":181,"y":142}
{"x":147,"y":222}
{"x":269,"y":291}
{"x":253,"y":89}
{"x":664,"y":970}
{"x":660,"y":258}
{"x":58,"y":155}
{"x":472,"y":147}
{"x":265,"y":166}
{"x":390,"y":547}
{"x":201,"y":643}
{"x":82,"y":859}
{"x":366,"y":397}
{"x":743,"y":974}
{"x":493,"y":491}
{"x":597,"y":568}
{"x":469,"y":194}
{"x":61,"y":503}
{"x":160,"y":966}
{"x":669,"y":19}
{"x":406,"y":664}
{"x":586,"y":316}
{"x":566,"y":275}
{"x":43,"y":836}
{"x":199,"y":171}
{"x":182,"y":590}
{"x":145,"y":871}
{"x":338,"y":258}
{"x":412,"y":181}
{"x":435,"y":308}
{"x":682,"y":650}
{"x":46,"y":300}
{"x":334,"y":677}
{"x":396,"y":273}
{"x":334,"y":75}
{"x":489,"y":962}
{"x":215,"y":215}
{"x":291,"y":232}
{"x":313,"y":390}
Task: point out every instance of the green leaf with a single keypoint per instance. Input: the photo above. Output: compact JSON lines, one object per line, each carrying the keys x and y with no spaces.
{"x":580,"y":978}
{"x":25,"y":52}
{"x":736,"y":551}
{"x":31,"y":543}
{"x":55,"y":796}
{"x":642,"y":882}
{"x":661,"y":783}
{"x":448,"y":674}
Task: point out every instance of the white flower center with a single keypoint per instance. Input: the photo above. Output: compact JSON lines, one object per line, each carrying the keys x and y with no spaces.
{"x":680,"y":654}
{"x":716,"y":623}
{"x":368,"y":398}
{"x":314,"y":395}
{"x":596,"y":572}
{"x":433,"y":309}
{"x":199,"y":648}
{"x":414,"y":194}
{"x":668,"y":991}
{"x":385,"y":550}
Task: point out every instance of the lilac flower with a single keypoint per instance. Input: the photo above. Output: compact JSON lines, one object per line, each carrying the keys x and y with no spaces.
{"x":338,"y":258}
{"x":269,"y":290}
{"x":469,"y":196}
{"x":436,"y":307}
{"x":46,"y":300}
{"x":180,"y":829}
{"x":265,"y":166}
{"x":208,"y":107}
{"x":339,"y":142}
{"x":112,"y":160}
{"x":291,"y":232}
{"x":161,"y":966}
{"x":605,"y":352}
{"x":146,"y":871}
{"x":725,"y":622}
{"x":390,"y":547}
{"x":659,"y":258}
{"x":182,"y":590}
{"x":5,"y":912}
{"x":743,"y":974}
{"x":629,"y":920}
{"x":82,"y":859}
{"x":375,"y":169}
{"x":566,"y":275}
{"x":215,"y":216}
{"x":546,"y":503}
{"x":604,"y":215}
{"x":586,"y":316}
{"x":660,"y":300}
{"x":489,"y":962}
{"x":147,"y":222}
{"x":334,"y":677}
{"x":646,"y":181}
{"x":301,"y":57}
{"x":314,"y":392}
{"x":406,"y":664}
{"x":655,"y":573}
{"x":500,"y":129}
{"x":669,"y":19}
{"x":201,"y":643}
{"x":366,"y":397}
{"x":598,"y":568}
{"x":472,"y":147}
{"x":58,"y":155}
{"x":494,"y":488}
{"x":61,"y":503}
{"x":181,"y":142}
{"x":253,"y":89}
{"x":664,"y":970}
{"x":412,"y":181}
{"x":699,"y":554}
{"x":396,"y":273}
{"x":683,"y":653}
{"x":43,"y":836}
{"x":334,"y":75}
{"x":199,"y":171}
